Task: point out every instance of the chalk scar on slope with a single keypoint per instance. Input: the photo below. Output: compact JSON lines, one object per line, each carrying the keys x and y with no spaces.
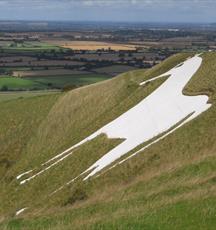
{"x":154,"y":115}
{"x":20,"y":211}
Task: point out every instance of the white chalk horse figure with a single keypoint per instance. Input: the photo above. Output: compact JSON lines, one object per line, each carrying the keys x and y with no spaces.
{"x":162,"y":112}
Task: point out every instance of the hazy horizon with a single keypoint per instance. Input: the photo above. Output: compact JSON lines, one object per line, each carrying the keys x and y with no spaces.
{"x":108,"y":21}
{"x":142,"y":11}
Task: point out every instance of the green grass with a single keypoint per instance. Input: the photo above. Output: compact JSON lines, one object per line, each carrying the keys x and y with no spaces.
{"x":7,"y":96}
{"x":64,"y":80}
{"x":171,"y":185}
{"x":30,"y":46}
{"x":16,"y":122}
{"x":13,"y":83}
{"x":4,"y":76}
{"x":181,"y":216}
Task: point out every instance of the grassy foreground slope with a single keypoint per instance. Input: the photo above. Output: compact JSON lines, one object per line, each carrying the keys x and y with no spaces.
{"x":171,"y":185}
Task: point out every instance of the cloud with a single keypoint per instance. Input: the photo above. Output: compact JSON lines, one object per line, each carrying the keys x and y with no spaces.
{"x":111,"y":3}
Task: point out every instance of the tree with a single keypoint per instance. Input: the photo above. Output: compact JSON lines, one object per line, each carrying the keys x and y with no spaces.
{"x":4,"y":88}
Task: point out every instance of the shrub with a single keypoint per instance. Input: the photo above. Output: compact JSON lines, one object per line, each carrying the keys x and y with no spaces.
{"x":78,"y":194}
{"x":4,"y":88}
{"x":69,"y":87}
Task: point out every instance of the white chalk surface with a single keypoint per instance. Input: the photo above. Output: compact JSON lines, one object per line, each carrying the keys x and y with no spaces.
{"x":154,"y":115}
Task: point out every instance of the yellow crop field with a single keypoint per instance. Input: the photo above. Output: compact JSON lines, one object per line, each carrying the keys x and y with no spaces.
{"x":93,"y":45}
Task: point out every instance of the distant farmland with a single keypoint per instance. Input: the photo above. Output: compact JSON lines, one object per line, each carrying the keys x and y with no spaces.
{"x":49,"y":82}
{"x":91,"y":45}
{"x":50,"y":72}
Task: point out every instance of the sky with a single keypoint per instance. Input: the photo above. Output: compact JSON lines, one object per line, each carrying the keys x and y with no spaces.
{"x":110,"y":10}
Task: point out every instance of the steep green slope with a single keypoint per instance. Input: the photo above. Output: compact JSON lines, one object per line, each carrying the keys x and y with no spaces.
{"x":19,"y":120}
{"x":169,"y":184}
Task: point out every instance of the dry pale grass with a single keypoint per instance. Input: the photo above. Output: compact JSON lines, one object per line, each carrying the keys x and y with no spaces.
{"x":93,"y":45}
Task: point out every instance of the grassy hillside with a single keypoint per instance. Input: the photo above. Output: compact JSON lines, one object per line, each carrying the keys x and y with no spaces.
{"x":19,"y":121}
{"x":7,"y":96}
{"x":170,"y":185}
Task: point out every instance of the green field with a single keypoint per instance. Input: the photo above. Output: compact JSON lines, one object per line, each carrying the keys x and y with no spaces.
{"x":12,"y":83}
{"x":26,"y":47}
{"x":29,"y":46}
{"x":49,"y":82}
{"x":170,"y":185}
{"x":61,"y":81}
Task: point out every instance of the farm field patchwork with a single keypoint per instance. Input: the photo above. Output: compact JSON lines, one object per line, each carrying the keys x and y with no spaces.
{"x":50,"y":72}
{"x":42,"y":63}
